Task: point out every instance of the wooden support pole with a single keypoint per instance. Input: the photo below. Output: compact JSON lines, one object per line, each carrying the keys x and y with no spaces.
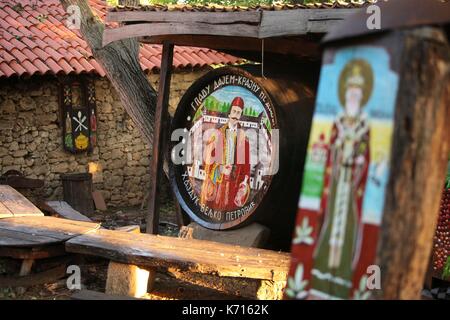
{"x":161,"y":122}
{"x":419,"y":158}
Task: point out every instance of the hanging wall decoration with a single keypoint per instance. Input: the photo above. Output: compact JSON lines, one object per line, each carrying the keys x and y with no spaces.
{"x":79,"y":115}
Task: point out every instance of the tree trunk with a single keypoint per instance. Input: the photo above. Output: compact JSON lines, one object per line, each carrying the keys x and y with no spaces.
{"x":120,"y":61}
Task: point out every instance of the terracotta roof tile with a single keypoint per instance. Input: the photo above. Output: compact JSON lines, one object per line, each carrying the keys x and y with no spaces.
{"x":35,"y":40}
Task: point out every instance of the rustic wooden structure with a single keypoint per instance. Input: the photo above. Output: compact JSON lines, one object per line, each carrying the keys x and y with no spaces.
{"x":419,"y":59}
{"x":161,"y":123}
{"x":292,"y":30}
{"x":77,"y":191}
{"x":63,"y":210}
{"x":32,"y":238}
{"x":230,"y":28}
{"x":146,"y":251}
{"x":13,"y":204}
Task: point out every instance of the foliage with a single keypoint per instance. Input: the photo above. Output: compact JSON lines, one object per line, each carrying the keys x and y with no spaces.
{"x":446,"y":271}
{"x":447,"y":182}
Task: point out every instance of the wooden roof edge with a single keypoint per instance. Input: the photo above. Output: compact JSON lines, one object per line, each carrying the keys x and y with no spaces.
{"x":245,"y":24}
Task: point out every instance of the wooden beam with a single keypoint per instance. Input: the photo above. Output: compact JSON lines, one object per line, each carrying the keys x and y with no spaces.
{"x":207,"y":257}
{"x":153,"y":29}
{"x":295,"y":46}
{"x":299,"y":22}
{"x":248,"y":24}
{"x":161,"y":123}
{"x":248,"y":17}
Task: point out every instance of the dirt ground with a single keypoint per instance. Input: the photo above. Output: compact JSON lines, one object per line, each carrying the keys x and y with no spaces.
{"x":93,"y":270}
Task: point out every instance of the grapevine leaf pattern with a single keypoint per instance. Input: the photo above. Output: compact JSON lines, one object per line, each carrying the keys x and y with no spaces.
{"x":296,"y":286}
{"x":303,"y":233}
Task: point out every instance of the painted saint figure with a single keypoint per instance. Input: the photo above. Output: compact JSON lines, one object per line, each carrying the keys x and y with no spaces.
{"x":345,"y":178}
{"x":227,"y":164}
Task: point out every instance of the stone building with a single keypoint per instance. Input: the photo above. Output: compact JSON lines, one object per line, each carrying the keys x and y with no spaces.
{"x":38,"y":52}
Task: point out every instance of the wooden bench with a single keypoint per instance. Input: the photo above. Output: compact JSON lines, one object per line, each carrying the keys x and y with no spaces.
{"x":145,"y":252}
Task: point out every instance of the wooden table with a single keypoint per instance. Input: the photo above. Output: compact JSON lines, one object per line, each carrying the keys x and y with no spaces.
{"x":13,"y":204}
{"x":26,"y":234}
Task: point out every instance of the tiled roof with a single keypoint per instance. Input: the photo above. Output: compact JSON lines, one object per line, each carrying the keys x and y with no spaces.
{"x":35,"y":41}
{"x":337,"y":4}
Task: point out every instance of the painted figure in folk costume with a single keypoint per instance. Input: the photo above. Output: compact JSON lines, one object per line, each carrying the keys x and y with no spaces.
{"x":227,"y":164}
{"x":345,"y":178}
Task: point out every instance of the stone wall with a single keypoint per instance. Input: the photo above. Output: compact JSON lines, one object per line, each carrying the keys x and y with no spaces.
{"x":31,"y":139}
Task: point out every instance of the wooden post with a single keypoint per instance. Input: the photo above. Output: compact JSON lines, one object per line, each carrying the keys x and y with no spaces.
{"x":374,"y":241}
{"x":419,"y":158}
{"x":161,"y":122}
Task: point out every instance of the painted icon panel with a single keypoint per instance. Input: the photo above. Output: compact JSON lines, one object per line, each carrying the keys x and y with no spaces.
{"x":345,"y":175}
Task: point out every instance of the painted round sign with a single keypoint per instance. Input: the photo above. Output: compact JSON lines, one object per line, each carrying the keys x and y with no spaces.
{"x":223,"y":148}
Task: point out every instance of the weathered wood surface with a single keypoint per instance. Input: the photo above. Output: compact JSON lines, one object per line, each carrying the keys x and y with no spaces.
{"x":250,"y":24}
{"x":419,"y":152}
{"x":39,"y":230}
{"x":250,"y":17}
{"x":63,"y":209}
{"x":154,"y":29}
{"x":99,"y":201}
{"x":186,"y":254}
{"x":300,"y":22}
{"x":295,"y":46}
{"x":254,"y":235}
{"x":161,"y":125}
{"x":13,"y":204}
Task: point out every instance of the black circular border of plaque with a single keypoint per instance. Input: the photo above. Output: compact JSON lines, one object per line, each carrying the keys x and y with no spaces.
{"x":180,"y":121}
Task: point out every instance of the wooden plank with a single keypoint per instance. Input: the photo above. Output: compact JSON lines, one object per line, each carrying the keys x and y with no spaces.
{"x":35,"y":230}
{"x":18,"y":239}
{"x":99,"y":201}
{"x":161,"y":123}
{"x":63,"y":209}
{"x":263,"y":24}
{"x":95,"y":295}
{"x":249,"y":17}
{"x":17,"y":203}
{"x":153,"y":29}
{"x":207,"y":257}
{"x":298,"y":46}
